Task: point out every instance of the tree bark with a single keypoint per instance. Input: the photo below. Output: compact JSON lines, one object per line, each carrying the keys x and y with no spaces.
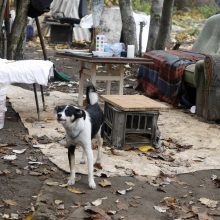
{"x":16,"y":36}
{"x":156,"y":11}
{"x":97,"y":8}
{"x":165,"y":24}
{"x":128,"y":23}
{"x":3,"y":4}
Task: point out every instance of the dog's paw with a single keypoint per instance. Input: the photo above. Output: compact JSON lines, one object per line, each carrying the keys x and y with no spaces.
{"x":71,"y":182}
{"x":82,"y":161}
{"x":92,"y":184}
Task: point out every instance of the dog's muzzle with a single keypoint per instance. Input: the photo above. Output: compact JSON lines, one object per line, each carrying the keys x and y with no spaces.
{"x":59,"y":117}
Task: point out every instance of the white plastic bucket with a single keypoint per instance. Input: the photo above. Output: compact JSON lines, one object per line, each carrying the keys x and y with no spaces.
{"x":2,"y":118}
{"x":3,"y":109}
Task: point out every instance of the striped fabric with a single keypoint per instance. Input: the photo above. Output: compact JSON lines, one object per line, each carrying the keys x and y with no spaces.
{"x":163,"y":79}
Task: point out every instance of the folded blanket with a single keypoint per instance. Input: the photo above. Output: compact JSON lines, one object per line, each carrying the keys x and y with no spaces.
{"x":25,"y":71}
{"x":163,"y":79}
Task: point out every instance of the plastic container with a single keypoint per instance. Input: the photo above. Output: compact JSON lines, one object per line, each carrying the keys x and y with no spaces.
{"x":3,"y":109}
{"x":2,"y":117}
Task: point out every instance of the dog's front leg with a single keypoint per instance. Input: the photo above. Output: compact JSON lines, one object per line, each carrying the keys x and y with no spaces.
{"x":89,"y":154}
{"x":71,"y":157}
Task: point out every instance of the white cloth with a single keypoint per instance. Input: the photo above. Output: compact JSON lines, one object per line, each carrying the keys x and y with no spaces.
{"x":25,"y":71}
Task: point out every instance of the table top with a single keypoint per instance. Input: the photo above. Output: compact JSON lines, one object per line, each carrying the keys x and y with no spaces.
{"x":134,"y":102}
{"x":86,"y":57}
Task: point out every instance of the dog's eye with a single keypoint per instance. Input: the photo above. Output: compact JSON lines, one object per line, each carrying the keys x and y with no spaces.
{"x":68,"y":112}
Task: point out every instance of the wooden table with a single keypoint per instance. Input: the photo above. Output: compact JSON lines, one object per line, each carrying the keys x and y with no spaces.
{"x":110,"y":69}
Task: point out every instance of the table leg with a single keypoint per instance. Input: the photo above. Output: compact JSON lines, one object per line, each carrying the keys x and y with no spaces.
{"x":81,"y":85}
{"x":93,"y":74}
{"x":108,"y":83}
{"x":121,"y":82}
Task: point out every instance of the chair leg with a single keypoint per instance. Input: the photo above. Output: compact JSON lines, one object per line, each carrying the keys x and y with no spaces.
{"x":36,"y":100}
{"x":42,"y":95}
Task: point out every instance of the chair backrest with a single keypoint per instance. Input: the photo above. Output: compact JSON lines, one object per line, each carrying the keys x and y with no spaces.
{"x":208,"y":41}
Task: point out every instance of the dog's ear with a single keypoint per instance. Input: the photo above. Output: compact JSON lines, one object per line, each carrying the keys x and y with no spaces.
{"x":81,"y":114}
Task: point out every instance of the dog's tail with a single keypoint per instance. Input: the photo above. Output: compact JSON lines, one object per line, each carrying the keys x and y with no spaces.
{"x":91,"y":95}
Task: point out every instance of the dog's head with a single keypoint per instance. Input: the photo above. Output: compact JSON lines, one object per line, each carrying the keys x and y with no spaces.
{"x":68,"y":114}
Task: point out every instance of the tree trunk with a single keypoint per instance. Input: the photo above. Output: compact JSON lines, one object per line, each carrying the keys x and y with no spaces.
{"x":165,"y":24}
{"x":156,"y":11}
{"x":3,"y":4}
{"x":16,"y":36}
{"x":97,"y":8}
{"x":128,"y":23}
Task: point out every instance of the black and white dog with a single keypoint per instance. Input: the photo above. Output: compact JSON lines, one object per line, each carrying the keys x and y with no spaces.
{"x":81,"y":127}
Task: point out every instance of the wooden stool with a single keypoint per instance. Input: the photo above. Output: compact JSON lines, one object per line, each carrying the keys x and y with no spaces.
{"x":128,"y":117}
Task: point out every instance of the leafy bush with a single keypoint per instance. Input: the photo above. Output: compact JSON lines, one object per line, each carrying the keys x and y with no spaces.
{"x":139,"y":5}
{"x":208,"y":10}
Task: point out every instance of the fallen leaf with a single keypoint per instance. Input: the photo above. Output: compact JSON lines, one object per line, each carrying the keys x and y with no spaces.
{"x":188,"y":215}
{"x":19,"y":151}
{"x":111,"y":212}
{"x":58,"y":202}
{"x":74,"y":190}
{"x":34,"y":173}
{"x":146,"y":148}
{"x":130,"y":183}
{"x":50,"y":183}
{"x":161,"y":208}
{"x":121,"y":192}
{"x":60,"y":207}
{"x":28,"y":217}
{"x":169,"y":200}
{"x":115,"y":152}
{"x":98,"y":202}
{"x":97,"y":210}
{"x":14,"y":216}
{"x":204,"y":216}
{"x":19,"y":172}
{"x":10,"y":202}
{"x":129,"y":189}
{"x":10,"y":157}
{"x":105,"y":183}
{"x":208,"y":202}
{"x":4,"y":145}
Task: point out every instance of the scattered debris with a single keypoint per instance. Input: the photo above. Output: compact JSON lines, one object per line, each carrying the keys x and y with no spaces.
{"x":74,"y":190}
{"x":161,"y":208}
{"x":10,"y":157}
{"x":10,"y":202}
{"x":146,"y":148}
{"x":19,"y":151}
{"x":101,"y":214}
{"x":50,"y":183}
{"x":204,"y":216}
{"x":98,"y":202}
{"x":111,"y":212}
{"x":105,"y":183}
{"x":208,"y":202}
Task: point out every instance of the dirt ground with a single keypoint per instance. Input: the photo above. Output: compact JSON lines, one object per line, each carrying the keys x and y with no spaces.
{"x":31,"y":187}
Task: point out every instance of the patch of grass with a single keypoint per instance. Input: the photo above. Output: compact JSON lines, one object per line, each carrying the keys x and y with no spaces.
{"x":208,"y":10}
{"x":139,"y":6}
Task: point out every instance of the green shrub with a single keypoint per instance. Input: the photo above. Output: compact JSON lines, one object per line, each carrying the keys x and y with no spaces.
{"x":144,"y":7}
{"x":208,"y":10}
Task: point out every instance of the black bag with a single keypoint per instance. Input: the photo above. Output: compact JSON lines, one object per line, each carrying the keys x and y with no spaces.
{"x":38,"y":7}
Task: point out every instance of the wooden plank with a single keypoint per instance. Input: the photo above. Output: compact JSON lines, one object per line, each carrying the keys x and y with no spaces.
{"x":134,"y":102}
{"x":105,"y":60}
